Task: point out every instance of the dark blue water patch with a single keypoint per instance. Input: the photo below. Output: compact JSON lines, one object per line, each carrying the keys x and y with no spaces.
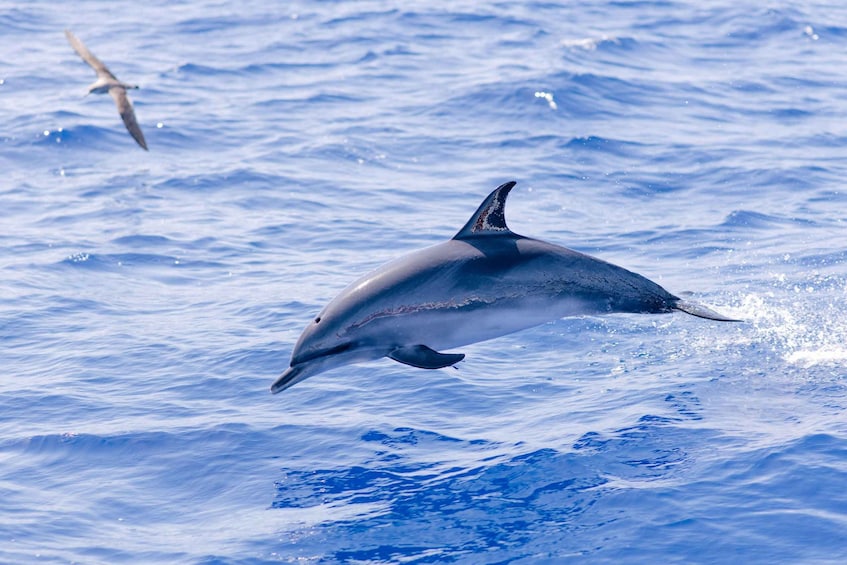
{"x":394,"y":455}
{"x":346,"y":149}
{"x":510,"y":507}
{"x":333,"y":99}
{"x":112,"y":262}
{"x":626,"y":46}
{"x":647,"y":427}
{"x":820,"y":139}
{"x":400,"y":50}
{"x":823,"y":259}
{"x":792,"y":113}
{"x":730,"y":179}
{"x":614,"y":52}
{"x":617,"y":147}
{"x":743,"y":28}
{"x":180,"y":247}
{"x":405,"y":437}
{"x":88,"y":137}
{"x":807,"y":84}
{"x":499,"y":508}
{"x":199,"y":70}
{"x":500,"y":20}
{"x":369,"y":132}
{"x":647,"y":186}
{"x":168,"y":269}
{"x":60,"y":306}
{"x":215,"y":23}
{"x":255,"y":364}
{"x":537,"y":142}
{"x":30,"y":249}
{"x":765,"y":24}
{"x":371,"y":17}
{"x":172,"y":137}
{"x":641,"y":5}
{"x":748,"y":219}
{"x":103,"y":365}
{"x":57,"y":448}
{"x":832,"y":390}
{"x":123,"y":444}
{"x":594,"y":95}
{"x":367,"y":57}
{"x":237,"y":180}
{"x":116,"y":458}
{"x":749,"y":86}
{"x":287,"y":68}
{"x":828,"y":31}
{"x":686,"y":403}
{"x":574,"y":95}
{"x":41,"y":402}
{"x":673,"y":243}
{"x":58,"y":115}
{"x":783,"y":482}
{"x":140,"y":241}
{"x":269,"y":237}
{"x":15,"y":20}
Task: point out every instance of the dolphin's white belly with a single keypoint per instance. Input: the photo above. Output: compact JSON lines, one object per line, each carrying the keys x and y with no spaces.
{"x":454,"y":322}
{"x":451,"y":329}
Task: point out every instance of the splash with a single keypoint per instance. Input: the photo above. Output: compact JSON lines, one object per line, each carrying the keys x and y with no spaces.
{"x":548,"y":96}
{"x":588,"y":43}
{"x":803,"y":324}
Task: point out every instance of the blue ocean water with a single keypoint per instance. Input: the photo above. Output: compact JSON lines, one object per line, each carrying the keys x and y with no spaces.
{"x":149,"y":299}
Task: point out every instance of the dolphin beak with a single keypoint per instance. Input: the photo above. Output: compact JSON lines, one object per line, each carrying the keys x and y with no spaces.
{"x":289,"y":378}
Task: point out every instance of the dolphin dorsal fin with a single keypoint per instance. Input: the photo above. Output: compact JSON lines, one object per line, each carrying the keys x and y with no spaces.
{"x":490,"y":217}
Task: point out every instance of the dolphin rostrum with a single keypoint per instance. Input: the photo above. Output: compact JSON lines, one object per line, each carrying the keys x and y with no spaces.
{"x":107,"y":82}
{"x":484,"y":283}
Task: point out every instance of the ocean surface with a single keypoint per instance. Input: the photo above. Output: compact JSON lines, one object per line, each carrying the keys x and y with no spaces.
{"x":149,"y":299}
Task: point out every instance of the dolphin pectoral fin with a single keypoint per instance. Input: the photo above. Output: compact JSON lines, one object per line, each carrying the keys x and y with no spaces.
{"x":701,"y":311}
{"x":423,"y":357}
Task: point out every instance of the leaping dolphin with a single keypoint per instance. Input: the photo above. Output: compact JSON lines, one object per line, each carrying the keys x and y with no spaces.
{"x":484,"y":283}
{"x":107,"y":82}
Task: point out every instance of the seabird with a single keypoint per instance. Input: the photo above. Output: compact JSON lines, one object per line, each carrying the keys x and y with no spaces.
{"x":107,"y":82}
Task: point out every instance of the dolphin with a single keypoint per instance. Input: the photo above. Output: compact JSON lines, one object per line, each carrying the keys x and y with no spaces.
{"x":484,"y":283}
{"x":107,"y":82}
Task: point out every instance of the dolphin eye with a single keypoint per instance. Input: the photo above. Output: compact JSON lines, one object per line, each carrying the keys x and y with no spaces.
{"x":318,"y":320}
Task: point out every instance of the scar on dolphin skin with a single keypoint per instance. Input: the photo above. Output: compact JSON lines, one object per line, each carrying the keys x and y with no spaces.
{"x":413,"y":309}
{"x":493,"y":217}
{"x":432,"y":299}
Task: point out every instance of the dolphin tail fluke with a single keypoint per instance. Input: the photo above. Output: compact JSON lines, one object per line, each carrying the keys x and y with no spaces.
{"x":701,"y":311}
{"x":423,"y":357}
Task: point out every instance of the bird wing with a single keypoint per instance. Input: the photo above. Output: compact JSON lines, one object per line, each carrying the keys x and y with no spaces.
{"x":128,"y":114}
{"x":88,"y":56}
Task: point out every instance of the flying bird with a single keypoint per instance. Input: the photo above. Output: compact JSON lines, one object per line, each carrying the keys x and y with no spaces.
{"x":107,"y":82}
